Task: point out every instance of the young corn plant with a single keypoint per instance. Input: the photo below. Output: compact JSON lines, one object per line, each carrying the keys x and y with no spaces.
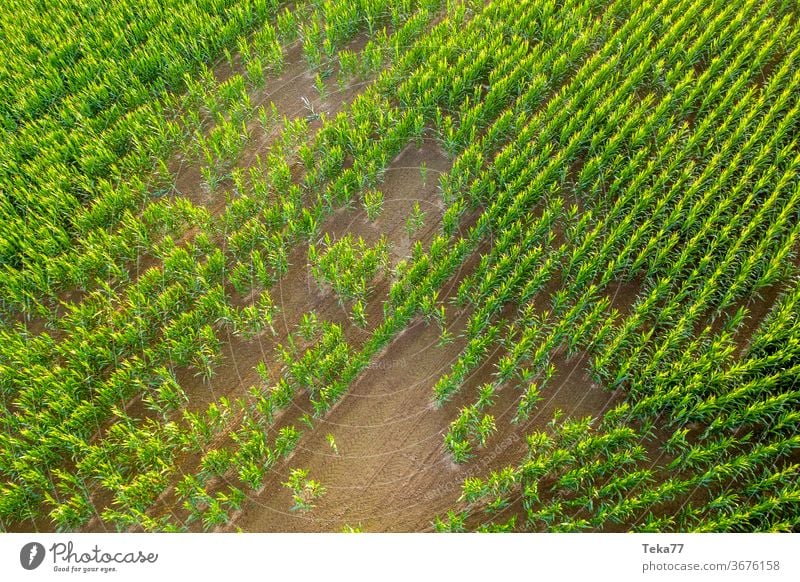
{"x":415,"y":220}
{"x":373,"y":203}
{"x":319,"y":85}
{"x":332,"y":443}
{"x":358,"y":314}
{"x":348,"y":266}
{"x":305,"y":491}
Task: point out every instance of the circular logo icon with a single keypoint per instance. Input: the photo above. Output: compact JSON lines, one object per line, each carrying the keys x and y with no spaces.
{"x":31,"y":555}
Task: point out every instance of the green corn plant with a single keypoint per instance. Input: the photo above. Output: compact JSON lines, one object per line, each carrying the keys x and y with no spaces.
{"x":305,"y":491}
{"x":359,"y":314}
{"x":453,"y":522}
{"x":286,"y":441}
{"x":332,"y":443}
{"x":214,"y":515}
{"x":373,"y":203}
{"x":415,"y":220}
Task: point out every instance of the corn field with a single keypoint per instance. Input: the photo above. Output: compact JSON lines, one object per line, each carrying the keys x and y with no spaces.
{"x":498,"y":266}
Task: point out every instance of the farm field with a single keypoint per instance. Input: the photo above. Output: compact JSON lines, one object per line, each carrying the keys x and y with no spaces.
{"x":409,"y":265}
